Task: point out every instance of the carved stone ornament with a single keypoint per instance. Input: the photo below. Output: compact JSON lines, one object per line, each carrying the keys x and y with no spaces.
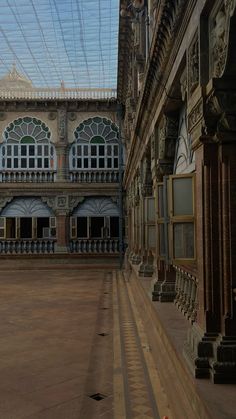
{"x":4,"y":201}
{"x":50,"y":201}
{"x":168,"y":134}
{"x":52,"y":116}
{"x":2,"y":116}
{"x":219,"y":37}
{"x":193,"y":66}
{"x":62,"y":119}
{"x":72,"y":116}
{"x":184,"y":85}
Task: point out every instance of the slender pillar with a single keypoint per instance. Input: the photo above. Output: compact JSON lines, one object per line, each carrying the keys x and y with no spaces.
{"x":62,"y":244}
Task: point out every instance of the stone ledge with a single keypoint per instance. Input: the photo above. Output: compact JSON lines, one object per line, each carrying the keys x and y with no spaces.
{"x":195,"y":399}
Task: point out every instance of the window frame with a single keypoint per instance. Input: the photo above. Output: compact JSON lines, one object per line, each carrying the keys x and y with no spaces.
{"x":181,"y":219}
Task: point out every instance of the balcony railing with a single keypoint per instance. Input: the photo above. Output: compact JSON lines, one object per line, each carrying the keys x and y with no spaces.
{"x":186,"y":294}
{"x":96,"y":246}
{"x":94,"y":176}
{"x":27,"y":176}
{"x":39,"y":246}
{"x":54,"y":94}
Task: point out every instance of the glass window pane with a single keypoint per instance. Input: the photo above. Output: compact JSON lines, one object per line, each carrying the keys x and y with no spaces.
{"x":46,"y":150}
{"x":93,"y":150}
{"x":160,"y":202}
{"x":183,"y":240}
{"x":3,"y":162}
{"x":151,"y":236}
{"x":3,"y":151}
{"x":79,"y":163}
{"x":73,"y":151}
{"x":15,"y":150}
{"x":161,"y":230}
{"x":182,"y":196}
{"x":40,"y":163}
{"x":79,"y":150}
{"x":115,"y":163}
{"x":73,"y":163}
{"x":24,"y":163}
{"x":109,"y":163}
{"x":46,"y":163}
{"x":8,"y":163}
{"x":101,"y":150}
{"x":23,"y":150}
{"x":2,"y":222}
{"x":94,"y":163}
{"x":1,"y":233}
{"x":101,"y":163}
{"x":31,"y":150}
{"x":39,"y":150}
{"x":109,"y":150}
{"x":9,"y":150}
{"x":86,"y":163}
{"x":115,"y":150}
{"x":15,"y":163}
{"x":85,"y":150}
{"x":31,"y":163}
{"x":52,"y":151}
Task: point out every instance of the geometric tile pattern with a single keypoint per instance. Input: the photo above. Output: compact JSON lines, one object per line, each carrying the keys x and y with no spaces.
{"x":140,"y":402}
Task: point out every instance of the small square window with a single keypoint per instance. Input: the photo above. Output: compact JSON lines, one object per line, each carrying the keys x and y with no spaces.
{"x":93,"y":163}
{"x":23,"y":163}
{"x":31,"y":163}
{"x":46,"y":163}
{"x":86,"y":163}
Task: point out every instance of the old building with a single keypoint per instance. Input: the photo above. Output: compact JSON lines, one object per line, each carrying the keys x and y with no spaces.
{"x":179,"y":126}
{"x":60,"y":169}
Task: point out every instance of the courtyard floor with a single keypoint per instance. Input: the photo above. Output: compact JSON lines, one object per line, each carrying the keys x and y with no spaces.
{"x":73,"y":346}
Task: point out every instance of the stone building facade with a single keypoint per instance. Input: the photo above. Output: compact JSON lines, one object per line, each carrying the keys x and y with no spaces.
{"x":180,"y":177}
{"x":60,"y":157}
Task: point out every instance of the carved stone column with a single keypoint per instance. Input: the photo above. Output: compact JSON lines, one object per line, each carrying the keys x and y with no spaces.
{"x":62,"y":147}
{"x":62,"y":244}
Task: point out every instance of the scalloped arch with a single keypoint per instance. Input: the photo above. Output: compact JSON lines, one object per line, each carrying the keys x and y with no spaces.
{"x":26,"y":126}
{"x":94,"y":127}
{"x":26,"y":207}
{"x":97,"y":207}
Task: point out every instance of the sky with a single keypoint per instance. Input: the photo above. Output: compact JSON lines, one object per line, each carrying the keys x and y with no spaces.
{"x":53,"y":40}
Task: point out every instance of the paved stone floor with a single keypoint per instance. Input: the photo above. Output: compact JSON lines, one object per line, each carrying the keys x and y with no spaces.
{"x":66,"y":335}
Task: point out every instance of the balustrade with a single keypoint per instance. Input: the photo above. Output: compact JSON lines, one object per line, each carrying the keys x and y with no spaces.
{"x":95,"y":176}
{"x":28,"y":176}
{"x":26,"y":246}
{"x":53,"y":94}
{"x":186,"y":294}
{"x":94,"y":246}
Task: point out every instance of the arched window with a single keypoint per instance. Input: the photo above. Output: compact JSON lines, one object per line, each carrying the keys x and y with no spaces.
{"x":27,"y":146}
{"x":96,"y":146}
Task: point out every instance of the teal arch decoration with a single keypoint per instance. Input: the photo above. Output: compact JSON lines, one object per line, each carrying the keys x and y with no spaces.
{"x":27,"y":127}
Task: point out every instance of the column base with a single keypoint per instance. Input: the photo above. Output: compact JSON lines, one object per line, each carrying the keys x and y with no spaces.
{"x":156,"y":290}
{"x":167,"y":292}
{"x":61,"y":249}
{"x":146,"y":270}
{"x":224,"y":363}
{"x":198,"y":351}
